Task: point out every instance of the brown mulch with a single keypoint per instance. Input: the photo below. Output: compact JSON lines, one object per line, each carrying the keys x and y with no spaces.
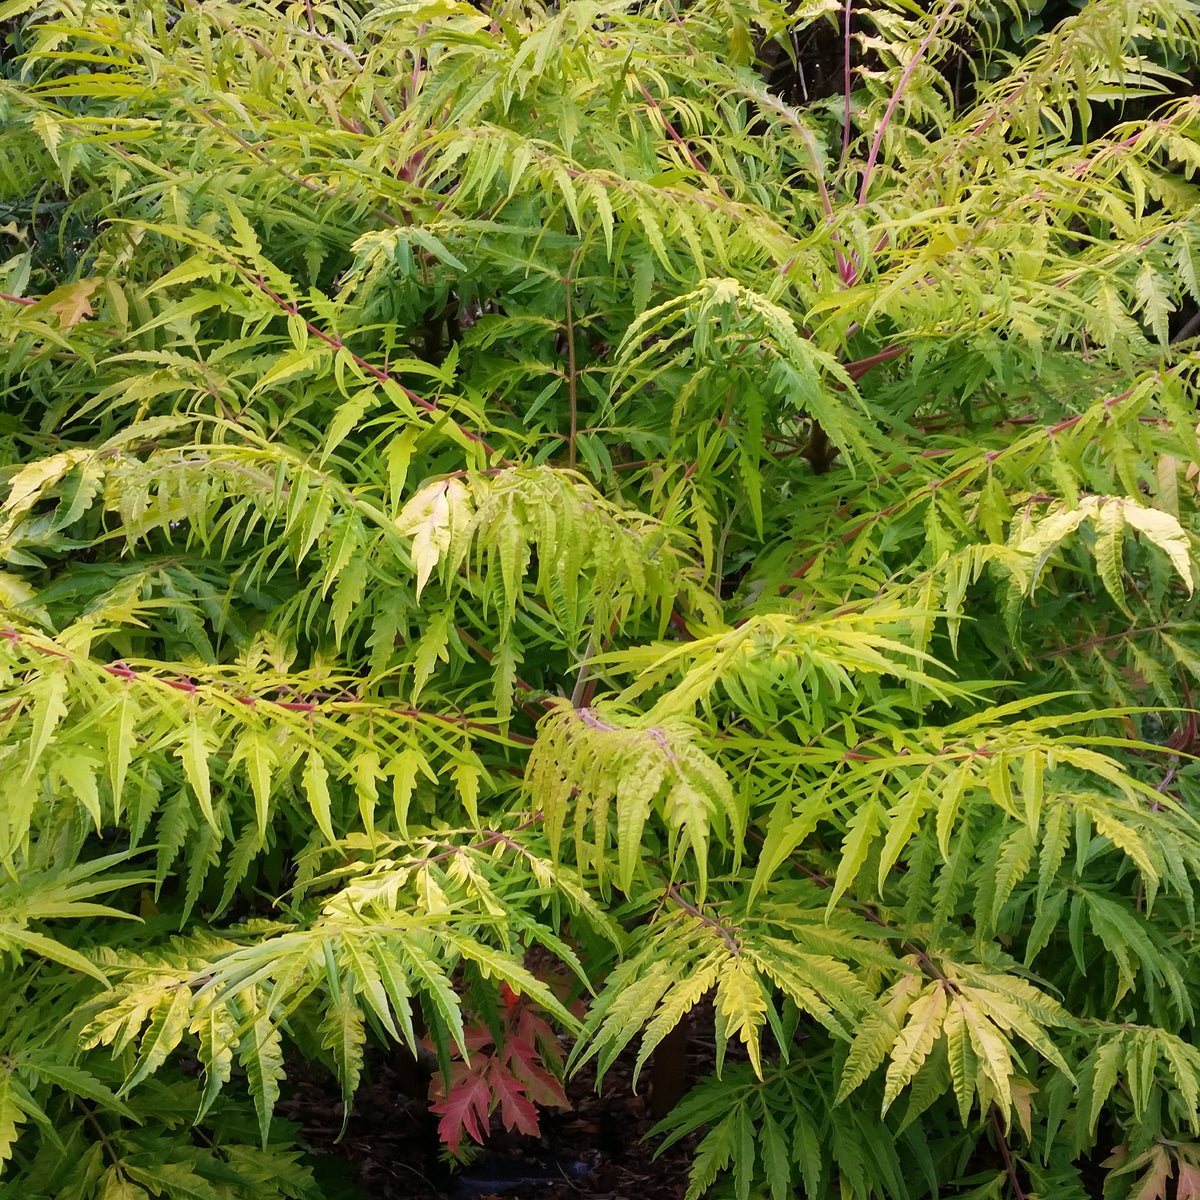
{"x":390,"y":1150}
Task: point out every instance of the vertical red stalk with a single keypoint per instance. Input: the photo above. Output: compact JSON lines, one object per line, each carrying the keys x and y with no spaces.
{"x":895,"y":100}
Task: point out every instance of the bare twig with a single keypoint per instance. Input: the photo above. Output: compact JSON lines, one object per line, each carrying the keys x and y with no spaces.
{"x":1010,"y":1168}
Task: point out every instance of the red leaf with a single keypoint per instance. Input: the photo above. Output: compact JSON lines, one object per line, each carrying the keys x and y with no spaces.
{"x":534,"y":1031}
{"x":1152,"y":1185}
{"x":477,"y":1036}
{"x":1188,"y":1187}
{"x":519,"y":1049}
{"x":464,"y":1108}
{"x":515,"y":1109}
{"x":540,"y":1085}
{"x":542,"y":1088}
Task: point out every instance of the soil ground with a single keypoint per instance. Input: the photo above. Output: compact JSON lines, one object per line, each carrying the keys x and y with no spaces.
{"x":390,"y":1150}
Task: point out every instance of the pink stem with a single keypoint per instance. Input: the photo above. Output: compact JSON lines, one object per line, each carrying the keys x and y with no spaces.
{"x":895,"y":100}
{"x":378,"y":373}
{"x":678,"y":140}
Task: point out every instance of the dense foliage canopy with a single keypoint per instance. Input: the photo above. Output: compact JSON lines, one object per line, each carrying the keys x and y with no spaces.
{"x":479,"y":482}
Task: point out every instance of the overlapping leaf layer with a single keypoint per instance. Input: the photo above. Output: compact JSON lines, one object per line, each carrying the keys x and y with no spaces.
{"x":489,"y":485}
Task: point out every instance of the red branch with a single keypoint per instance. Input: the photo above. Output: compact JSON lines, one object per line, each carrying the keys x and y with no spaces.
{"x":679,"y":141}
{"x":856,"y":370}
{"x":895,"y":100}
{"x":1010,"y":1168}
{"x":375,"y":372}
{"x":307,"y":702}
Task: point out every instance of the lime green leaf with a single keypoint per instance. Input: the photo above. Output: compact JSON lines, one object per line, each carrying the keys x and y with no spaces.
{"x":922,"y":1029}
{"x":316,"y":789}
{"x":1167,"y":534}
{"x":261,"y":1055}
{"x":194,"y":749}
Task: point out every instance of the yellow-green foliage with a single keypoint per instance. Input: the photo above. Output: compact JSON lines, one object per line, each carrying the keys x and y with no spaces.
{"x":482,"y":479}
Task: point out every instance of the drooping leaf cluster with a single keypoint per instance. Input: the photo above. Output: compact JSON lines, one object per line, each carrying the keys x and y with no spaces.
{"x":480,"y":482}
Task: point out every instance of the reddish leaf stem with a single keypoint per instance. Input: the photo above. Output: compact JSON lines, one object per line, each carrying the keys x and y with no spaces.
{"x":734,"y":949}
{"x":674,"y":135}
{"x":895,"y":100}
{"x":1010,"y":1168}
{"x":310,"y":702}
{"x":932,"y":487}
{"x":428,"y":406}
{"x":300,"y":180}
